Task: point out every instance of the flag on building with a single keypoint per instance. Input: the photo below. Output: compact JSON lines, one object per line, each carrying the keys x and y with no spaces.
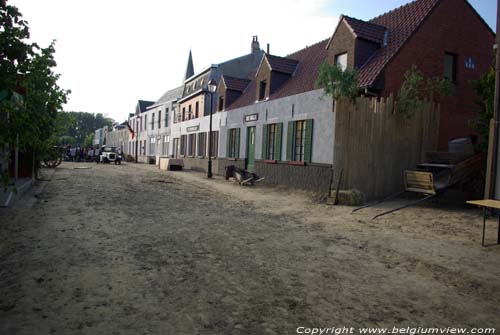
{"x":130,"y":129}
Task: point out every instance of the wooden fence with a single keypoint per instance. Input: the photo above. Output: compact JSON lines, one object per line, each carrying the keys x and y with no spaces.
{"x":374,"y":145}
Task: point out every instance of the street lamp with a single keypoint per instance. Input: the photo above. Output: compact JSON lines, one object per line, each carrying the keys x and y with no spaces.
{"x":212,"y":86}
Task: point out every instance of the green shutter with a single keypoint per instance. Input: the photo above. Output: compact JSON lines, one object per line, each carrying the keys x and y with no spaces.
{"x":228,"y":143}
{"x":277,"y":142}
{"x":237,"y":151}
{"x":265,"y":133}
{"x":308,"y":141}
{"x":289,"y":140}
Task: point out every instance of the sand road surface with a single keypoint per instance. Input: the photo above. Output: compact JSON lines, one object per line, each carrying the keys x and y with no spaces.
{"x":132,"y":250}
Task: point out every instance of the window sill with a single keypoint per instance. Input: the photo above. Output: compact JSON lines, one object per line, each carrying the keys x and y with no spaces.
{"x":297,"y":163}
{"x":232,"y":159}
{"x":269,"y":161}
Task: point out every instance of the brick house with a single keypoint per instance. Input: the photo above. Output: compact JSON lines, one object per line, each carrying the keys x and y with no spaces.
{"x":443,"y":38}
{"x":276,"y":122}
{"x":279,"y":109}
{"x":189,"y":131}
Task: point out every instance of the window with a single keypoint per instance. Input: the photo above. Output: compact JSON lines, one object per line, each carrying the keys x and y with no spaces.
{"x":152,"y":146}
{"x":183,"y":146}
{"x":299,"y":140}
{"x":159,"y":119}
{"x":221,"y":103}
{"x":202,"y":144}
{"x":191,"y":144}
{"x":145,"y":122}
{"x":183,"y":113}
{"x":166,"y":117}
{"x":196,"y":108}
{"x":341,"y":61}
{"x":214,"y":143}
{"x":262,"y":90}
{"x":152,"y":121}
{"x":164,"y":146}
{"x":271,"y":141}
{"x":190,"y":114}
{"x":233,"y":143}
{"x":450,"y":66}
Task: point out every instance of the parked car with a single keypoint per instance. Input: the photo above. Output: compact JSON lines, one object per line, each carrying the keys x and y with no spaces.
{"x":109,"y":155}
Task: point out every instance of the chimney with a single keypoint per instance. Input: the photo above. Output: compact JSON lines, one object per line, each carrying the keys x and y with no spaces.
{"x":255,"y":45}
{"x":268,"y":48}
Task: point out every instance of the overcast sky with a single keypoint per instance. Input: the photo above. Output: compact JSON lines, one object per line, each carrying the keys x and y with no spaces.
{"x":111,"y":53}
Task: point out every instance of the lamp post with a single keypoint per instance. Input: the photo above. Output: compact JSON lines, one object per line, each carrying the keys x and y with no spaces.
{"x":212,"y":86}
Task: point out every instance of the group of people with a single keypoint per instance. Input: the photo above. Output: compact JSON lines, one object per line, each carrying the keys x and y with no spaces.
{"x":78,"y":154}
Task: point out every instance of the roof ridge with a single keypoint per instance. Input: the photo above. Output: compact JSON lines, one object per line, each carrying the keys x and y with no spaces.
{"x":308,"y":47}
{"x":412,"y":3}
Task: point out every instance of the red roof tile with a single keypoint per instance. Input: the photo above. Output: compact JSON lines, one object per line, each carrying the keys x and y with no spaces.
{"x":307,"y":62}
{"x":281,"y":64}
{"x":235,"y":84}
{"x":366,"y":30}
{"x":401,"y":23}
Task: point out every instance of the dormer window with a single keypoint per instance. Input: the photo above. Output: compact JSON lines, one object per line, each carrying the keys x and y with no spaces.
{"x":221,"y":103}
{"x":262,"y":90}
{"x":341,"y":60}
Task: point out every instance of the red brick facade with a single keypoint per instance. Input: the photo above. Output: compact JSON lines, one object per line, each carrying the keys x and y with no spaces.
{"x":452,"y":27}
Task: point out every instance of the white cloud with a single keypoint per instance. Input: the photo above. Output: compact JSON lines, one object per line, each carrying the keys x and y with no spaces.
{"x":112,"y":53}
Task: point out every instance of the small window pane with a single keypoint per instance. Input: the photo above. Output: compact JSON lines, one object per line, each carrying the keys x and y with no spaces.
{"x":341,"y":61}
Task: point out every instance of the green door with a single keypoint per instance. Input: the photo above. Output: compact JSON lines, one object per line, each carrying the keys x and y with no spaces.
{"x":250,"y":149}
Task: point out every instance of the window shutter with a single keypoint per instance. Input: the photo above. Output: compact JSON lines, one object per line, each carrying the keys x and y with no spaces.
{"x":265,"y":134}
{"x":228,"y":143}
{"x":289,"y":140}
{"x":277,"y":142}
{"x":237,"y":150}
{"x":308,"y":141}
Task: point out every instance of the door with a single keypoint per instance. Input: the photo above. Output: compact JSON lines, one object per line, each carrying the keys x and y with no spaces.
{"x":176,"y":148}
{"x":250,"y":166}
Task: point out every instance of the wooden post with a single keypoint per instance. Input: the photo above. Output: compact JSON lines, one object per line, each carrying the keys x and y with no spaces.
{"x":494,"y":166}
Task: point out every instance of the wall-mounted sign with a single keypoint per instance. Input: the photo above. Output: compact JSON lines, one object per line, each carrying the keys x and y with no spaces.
{"x":193,"y":128}
{"x":470,"y":63}
{"x":251,"y":117}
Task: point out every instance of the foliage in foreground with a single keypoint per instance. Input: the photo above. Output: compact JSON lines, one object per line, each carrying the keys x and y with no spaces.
{"x":30,"y":98}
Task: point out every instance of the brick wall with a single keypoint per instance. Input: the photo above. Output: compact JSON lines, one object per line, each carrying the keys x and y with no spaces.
{"x":263,"y":74}
{"x":343,"y":41}
{"x":452,"y":27}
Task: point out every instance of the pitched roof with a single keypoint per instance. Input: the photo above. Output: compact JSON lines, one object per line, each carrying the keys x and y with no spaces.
{"x":170,"y":95}
{"x":307,"y":62}
{"x":281,"y":64}
{"x":401,"y":24}
{"x":366,"y":30}
{"x":142,"y":105}
{"x":235,"y":84}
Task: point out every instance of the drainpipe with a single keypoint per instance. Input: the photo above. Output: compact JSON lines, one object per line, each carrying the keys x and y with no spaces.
{"x":494,"y":165}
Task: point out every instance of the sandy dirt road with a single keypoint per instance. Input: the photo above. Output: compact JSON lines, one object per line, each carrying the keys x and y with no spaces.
{"x":132,"y":250}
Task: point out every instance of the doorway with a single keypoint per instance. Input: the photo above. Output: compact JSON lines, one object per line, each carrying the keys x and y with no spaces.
{"x":250,"y":162}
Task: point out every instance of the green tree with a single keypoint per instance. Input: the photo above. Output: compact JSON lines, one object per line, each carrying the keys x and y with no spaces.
{"x":338,"y":83}
{"x":30,"y":98}
{"x":89,"y":140}
{"x":415,"y":89}
{"x":83,"y":124}
{"x":485,"y":89}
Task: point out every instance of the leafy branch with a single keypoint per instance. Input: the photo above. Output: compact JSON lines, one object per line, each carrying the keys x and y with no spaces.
{"x":415,"y":89}
{"x":338,"y":83}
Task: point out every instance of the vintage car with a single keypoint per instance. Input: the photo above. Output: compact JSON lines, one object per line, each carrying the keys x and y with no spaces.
{"x":109,"y":155}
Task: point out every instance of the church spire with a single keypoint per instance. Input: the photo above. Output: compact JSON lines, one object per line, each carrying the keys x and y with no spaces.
{"x":190,"y":67}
